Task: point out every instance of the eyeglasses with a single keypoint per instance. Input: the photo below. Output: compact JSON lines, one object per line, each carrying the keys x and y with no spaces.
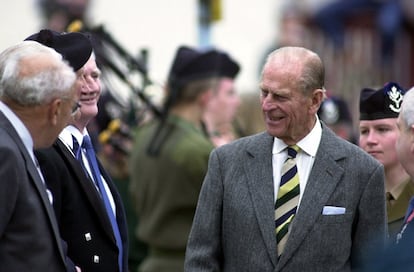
{"x":75,"y":106}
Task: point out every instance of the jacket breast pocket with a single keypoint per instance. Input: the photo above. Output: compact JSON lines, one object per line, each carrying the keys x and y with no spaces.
{"x":335,"y":218}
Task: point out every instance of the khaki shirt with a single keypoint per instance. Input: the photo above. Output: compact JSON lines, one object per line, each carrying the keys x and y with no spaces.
{"x":397,"y":203}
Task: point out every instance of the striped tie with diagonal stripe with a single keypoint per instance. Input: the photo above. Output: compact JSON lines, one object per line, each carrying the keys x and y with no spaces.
{"x":287,"y":198}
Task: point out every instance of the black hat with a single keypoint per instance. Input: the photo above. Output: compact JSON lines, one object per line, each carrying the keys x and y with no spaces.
{"x":75,"y":47}
{"x":382,"y":103}
{"x":191,"y":64}
{"x":228,"y":67}
{"x":334,"y":110}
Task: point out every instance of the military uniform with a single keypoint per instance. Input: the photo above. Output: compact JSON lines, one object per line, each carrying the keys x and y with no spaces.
{"x":378,"y":110}
{"x":397,"y":203}
{"x":165,"y":189}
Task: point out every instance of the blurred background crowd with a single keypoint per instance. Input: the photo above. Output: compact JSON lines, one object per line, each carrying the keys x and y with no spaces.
{"x":362,"y":43}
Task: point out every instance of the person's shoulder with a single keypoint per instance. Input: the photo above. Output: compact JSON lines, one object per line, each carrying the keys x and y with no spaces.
{"x":143,"y":128}
{"x":52,"y":157}
{"x":342,"y":147}
{"x":6,"y":139}
{"x":9,"y":150}
{"x":190,"y":143}
{"x":249,"y":139}
{"x":49,"y":152}
{"x":10,"y":147}
{"x":253,"y":142}
{"x":143,"y":134}
{"x":178,"y":139}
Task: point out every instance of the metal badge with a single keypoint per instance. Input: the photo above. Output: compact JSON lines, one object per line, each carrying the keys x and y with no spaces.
{"x":400,"y":234}
{"x":395,"y":97}
{"x":88,"y":236}
{"x":95,"y":258}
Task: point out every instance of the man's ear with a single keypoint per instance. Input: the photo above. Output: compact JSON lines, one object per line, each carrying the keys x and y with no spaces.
{"x":55,"y":108}
{"x":316,"y":99}
{"x":205,"y":97}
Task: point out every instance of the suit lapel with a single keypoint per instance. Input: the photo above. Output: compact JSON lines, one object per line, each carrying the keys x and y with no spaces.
{"x":258,"y":169}
{"x":322,"y":181}
{"x":87,"y":185}
{"x":41,"y":189}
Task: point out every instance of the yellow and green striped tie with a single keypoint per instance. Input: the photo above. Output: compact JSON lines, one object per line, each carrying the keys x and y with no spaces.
{"x":287,"y":198}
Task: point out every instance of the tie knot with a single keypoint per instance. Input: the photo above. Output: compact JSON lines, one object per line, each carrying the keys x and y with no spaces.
{"x":86,"y":142}
{"x":293,"y":151}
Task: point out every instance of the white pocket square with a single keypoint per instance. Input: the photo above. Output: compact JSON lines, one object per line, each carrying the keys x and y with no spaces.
{"x":333,"y":210}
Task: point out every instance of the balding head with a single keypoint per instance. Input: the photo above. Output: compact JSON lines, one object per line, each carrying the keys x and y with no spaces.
{"x":305,"y":67}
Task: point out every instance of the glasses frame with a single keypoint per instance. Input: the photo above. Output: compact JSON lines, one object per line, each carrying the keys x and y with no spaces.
{"x":76,"y":107}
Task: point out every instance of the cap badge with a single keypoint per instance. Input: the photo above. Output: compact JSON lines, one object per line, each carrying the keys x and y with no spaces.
{"x":396,"y":99}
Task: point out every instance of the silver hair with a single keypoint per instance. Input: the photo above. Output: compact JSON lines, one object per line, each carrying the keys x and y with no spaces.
{"x":34,"y":88}
{"x":407,"y":108}
{"x":313,"y":73}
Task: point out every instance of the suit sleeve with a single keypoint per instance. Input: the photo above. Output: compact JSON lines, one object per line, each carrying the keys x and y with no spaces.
{"x":204,"y":247}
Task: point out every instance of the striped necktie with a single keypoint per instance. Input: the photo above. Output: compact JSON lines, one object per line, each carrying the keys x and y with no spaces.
{"x":287,"y":198}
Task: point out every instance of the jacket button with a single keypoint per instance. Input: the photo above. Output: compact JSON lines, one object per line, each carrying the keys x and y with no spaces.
{"x":95,"y":258}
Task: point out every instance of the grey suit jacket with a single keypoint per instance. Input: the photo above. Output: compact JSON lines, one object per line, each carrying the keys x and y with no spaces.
{"x":29,"y":235}
{"x":234,"y":230}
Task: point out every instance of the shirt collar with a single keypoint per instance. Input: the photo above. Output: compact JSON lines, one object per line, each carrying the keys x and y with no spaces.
{"x":397,"y":190}
{"x":309,"y":144}
{"x":69,"y":132}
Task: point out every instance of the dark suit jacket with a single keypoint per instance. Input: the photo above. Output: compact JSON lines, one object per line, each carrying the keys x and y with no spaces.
{"x":29,"y":235}
{"x":398,"y":257}
{"x":234,"y":229}
{"x":81,"y":215}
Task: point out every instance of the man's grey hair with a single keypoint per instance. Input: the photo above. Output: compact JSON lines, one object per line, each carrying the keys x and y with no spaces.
{"x":313,"y":71}
{"x":37,"y":87}
{"x":407,"y":108}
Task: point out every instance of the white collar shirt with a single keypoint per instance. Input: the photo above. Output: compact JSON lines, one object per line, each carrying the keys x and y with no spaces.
{"x":66,"y":137}
{"x":304,"y":160}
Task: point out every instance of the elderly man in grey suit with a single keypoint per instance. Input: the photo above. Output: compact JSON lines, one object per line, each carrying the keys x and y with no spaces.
{"x":37,"y":99}
{"x":294,"y":198}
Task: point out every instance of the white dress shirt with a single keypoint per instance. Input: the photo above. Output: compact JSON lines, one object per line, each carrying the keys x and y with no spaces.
{"x":66,"y":137}
{"x":304,"y":159}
